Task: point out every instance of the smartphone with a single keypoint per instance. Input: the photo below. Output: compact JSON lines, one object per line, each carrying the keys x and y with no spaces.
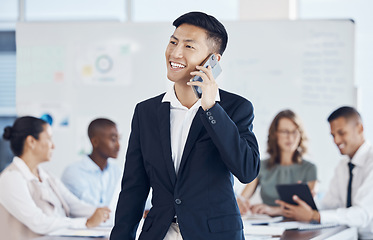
{"x":212,"y":61}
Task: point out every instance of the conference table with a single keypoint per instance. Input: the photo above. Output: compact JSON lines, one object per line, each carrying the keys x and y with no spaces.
{"x":332,"y":233}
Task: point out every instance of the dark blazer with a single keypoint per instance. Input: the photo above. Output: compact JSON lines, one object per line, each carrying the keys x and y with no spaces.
{"x":220,"y":142}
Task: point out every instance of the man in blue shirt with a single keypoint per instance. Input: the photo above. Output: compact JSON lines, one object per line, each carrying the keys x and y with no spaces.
{"x":95,"y":178}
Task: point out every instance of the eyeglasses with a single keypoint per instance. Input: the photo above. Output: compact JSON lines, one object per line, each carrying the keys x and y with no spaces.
{"x":285,"y":133}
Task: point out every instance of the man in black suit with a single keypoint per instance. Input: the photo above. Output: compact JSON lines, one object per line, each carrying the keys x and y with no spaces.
{"x":187,"y":148}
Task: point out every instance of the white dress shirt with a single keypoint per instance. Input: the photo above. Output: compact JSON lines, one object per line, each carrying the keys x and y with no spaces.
{"x":16,"y":198}
{"x":181,"y":119}
{"x":360,"y":214}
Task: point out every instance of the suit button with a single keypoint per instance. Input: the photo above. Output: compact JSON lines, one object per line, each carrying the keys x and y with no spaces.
{"x":211,"y":117}
{"x":177,"y":201}
{"x":213,"y":121}
{"x":208,"y":113}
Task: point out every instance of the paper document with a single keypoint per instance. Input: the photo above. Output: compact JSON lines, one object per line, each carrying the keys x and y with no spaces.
{"x":255,"y":219}
{"x":301,"y":225}
{"x":263,"y":230}
{"x":91,"y":232}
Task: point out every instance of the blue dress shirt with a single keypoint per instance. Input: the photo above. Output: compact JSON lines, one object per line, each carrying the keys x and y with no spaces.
{"x":86,"y":180}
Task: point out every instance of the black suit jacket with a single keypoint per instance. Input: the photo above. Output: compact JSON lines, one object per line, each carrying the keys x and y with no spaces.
{"x":220,"y":142}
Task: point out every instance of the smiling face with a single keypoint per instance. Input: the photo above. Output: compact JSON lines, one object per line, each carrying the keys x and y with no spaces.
{"x":288,"y":135}
{"x":347,"y":134}
{"x":188,"y":47}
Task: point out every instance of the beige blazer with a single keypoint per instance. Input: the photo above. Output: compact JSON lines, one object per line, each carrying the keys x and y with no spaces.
{"x":13,"y":229}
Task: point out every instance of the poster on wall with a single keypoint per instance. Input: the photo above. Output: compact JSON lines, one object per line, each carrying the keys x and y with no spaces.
{"x":58,"y":115}
{"x":103,"y":64}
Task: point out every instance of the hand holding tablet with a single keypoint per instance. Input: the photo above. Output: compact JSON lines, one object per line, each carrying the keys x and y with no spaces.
{"x":287,"y":191}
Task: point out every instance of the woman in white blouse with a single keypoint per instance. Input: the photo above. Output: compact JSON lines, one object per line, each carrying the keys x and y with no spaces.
{"x":32,"y":202}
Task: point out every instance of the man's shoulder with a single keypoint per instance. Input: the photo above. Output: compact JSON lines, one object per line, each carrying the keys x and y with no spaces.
{"x":150,"y":105}
{"x":113,"y":166}
{"x":153,"y":100}
{"x":229,"y":96}
{"x":76,"y":166}
{"x":79,"y":163}
{"x":230,"y":100}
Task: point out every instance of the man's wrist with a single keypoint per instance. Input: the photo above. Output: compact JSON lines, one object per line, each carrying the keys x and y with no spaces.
{"x":209,"y":107}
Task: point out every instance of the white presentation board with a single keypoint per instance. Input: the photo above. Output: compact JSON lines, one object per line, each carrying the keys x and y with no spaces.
{"x":76,"y":72}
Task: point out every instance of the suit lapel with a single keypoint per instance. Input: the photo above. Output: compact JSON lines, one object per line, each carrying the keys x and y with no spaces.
{"x":165,"y":135}
{"x":193,"y":134}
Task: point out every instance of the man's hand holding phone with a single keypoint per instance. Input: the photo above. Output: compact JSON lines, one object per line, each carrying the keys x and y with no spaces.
{"x":209,"y":86}
{"x":204,"y":81}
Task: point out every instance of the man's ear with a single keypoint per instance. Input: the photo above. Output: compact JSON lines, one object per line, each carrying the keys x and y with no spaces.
{"x":360,"y":127}
{"x":94,"y":141}
{"x":218,"y":56}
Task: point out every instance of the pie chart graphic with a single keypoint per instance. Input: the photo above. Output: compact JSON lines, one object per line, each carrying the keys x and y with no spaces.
{"x":104,"y":64}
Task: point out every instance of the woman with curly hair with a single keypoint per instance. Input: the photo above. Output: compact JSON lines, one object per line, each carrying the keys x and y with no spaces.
{"x":286,"y":146}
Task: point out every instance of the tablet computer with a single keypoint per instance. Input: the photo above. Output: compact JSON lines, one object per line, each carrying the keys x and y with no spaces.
{"x":286,"y":192}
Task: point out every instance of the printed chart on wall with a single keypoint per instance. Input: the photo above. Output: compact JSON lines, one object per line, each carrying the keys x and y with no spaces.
{"x":108,"y":63}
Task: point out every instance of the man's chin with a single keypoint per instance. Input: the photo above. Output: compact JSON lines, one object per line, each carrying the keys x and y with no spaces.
{"x":176,"y":79}
{"x":342,"y":152}
{"x":172,"y":78}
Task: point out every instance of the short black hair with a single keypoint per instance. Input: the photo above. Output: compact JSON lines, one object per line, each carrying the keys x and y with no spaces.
{"x":346,"y":112}
{"x":21,"y":129}
{"x":99,"y":123}
{"x":215,"y":29}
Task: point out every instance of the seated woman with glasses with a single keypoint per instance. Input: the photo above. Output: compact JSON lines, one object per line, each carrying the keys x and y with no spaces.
{"x":32,"y":202}
{"x":286,"y":145}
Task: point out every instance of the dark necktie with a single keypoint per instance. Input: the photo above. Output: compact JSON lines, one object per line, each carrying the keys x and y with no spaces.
{"x":350,"y":167}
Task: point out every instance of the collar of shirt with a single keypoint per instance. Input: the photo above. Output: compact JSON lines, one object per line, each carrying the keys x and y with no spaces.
{"x":170,"y":97}
{"x":26,"y":172}
{"x":359,"y":158}
{"x":91,"y":166}
{"x":181,"y":119}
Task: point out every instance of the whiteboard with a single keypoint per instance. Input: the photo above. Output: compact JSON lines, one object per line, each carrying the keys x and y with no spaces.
{"x":79,"y":71}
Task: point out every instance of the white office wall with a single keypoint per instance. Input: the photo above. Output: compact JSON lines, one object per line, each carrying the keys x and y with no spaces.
{"x":361,"y":12}
{"x":268,"y":9}
{"x":166,"y":10}
{"x":142,"y":10}
{"x":8,"y":11}
{"x":41,"y":10}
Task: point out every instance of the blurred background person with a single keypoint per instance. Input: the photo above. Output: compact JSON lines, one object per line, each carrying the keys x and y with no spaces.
{"x":94,"y":178}
{"x":286,"y":146}
{"x":32,"y":202}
